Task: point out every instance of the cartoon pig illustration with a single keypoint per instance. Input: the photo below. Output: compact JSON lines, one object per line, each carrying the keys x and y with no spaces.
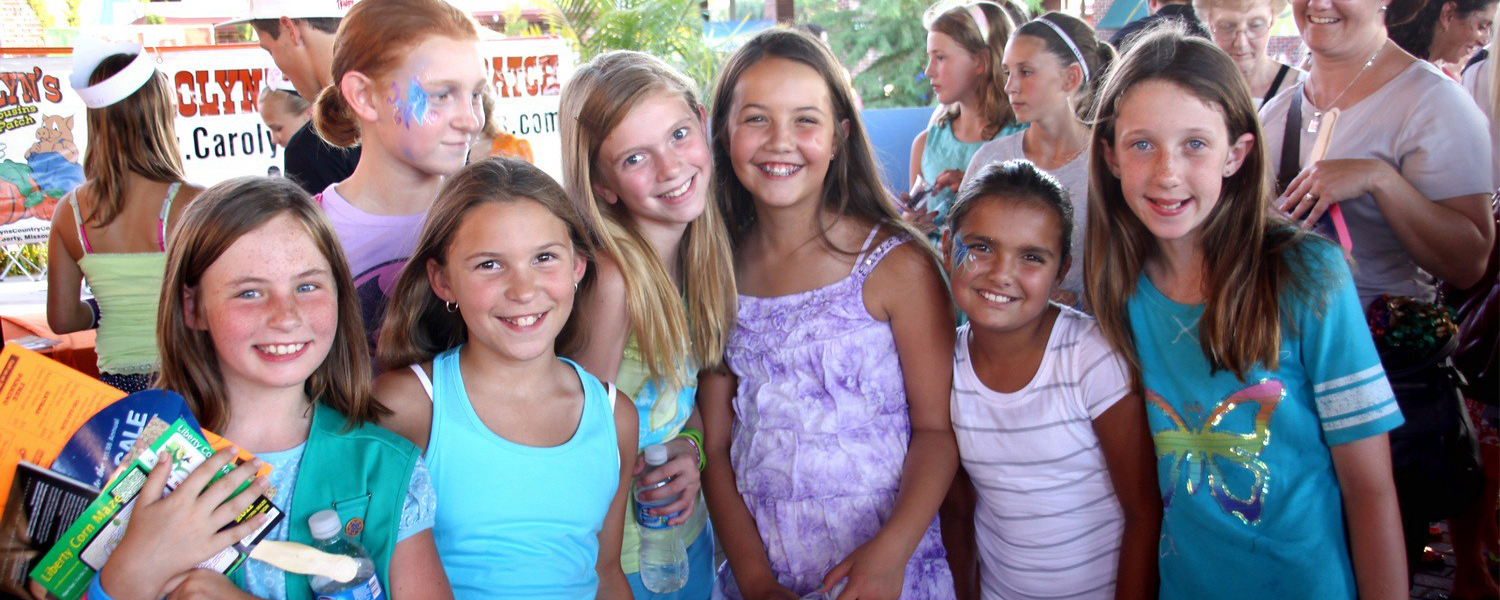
{"x":55,"y":134}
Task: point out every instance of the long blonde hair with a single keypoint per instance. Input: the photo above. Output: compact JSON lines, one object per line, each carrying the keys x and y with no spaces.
{"x":417,"y":326}
{"x":210,"y":225}
{"x":135,"y":135}
{"x":1252,"y":262}
{"x":599,"y":96}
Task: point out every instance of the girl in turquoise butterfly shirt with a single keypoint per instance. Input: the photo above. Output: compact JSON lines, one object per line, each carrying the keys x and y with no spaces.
{"x":1264,"y":394}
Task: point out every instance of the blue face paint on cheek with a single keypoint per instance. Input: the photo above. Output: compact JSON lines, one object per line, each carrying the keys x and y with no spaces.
{"x":412,"y":110}
{"x":960,"y":253}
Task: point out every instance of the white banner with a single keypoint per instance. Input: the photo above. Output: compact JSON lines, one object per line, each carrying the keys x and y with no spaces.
{"x":43,"y":127}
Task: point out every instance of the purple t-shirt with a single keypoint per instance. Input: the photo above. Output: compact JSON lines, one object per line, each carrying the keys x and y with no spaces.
{"x":377,"y":247}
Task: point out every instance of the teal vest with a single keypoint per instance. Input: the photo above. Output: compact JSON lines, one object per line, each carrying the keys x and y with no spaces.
{"x":363,"y":474}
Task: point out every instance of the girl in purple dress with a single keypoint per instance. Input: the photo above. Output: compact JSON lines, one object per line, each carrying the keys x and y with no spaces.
{"x":830,"y":454}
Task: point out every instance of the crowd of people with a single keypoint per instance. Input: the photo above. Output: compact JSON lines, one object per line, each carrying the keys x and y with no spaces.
{"x":1131,"y":333}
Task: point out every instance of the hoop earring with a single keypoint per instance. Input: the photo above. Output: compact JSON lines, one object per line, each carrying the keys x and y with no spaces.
{"x":451,"y":306}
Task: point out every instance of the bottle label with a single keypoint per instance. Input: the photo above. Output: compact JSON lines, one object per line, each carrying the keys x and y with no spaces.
{"x":369,"y":590}
{"x":646,"y":520}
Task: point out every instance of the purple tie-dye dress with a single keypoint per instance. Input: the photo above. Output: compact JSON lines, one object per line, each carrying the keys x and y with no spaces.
{"x":821,"y":432}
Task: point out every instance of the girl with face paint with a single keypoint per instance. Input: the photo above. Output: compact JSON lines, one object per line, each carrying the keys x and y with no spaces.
{"x":409,"y":87}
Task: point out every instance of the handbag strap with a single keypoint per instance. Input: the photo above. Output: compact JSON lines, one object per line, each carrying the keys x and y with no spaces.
{"x":1291,"y":147}
{"x":1291,"y":165}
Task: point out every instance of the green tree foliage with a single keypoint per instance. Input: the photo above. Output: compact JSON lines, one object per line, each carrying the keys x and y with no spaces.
{"x":668,"y":29}
{"x":883,"y":44}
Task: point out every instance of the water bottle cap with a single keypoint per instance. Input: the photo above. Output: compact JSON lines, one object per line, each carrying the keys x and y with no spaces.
{"x":325,"y":524}
{"x":656,"y":455}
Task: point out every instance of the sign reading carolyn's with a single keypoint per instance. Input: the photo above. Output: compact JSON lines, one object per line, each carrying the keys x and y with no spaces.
{"x":43,"y":122}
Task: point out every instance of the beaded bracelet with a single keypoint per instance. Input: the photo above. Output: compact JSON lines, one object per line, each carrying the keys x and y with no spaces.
{"x":695,"y":437}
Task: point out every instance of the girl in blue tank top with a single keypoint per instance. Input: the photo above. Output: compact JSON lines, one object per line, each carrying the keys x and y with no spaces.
{"x":530,"y":455}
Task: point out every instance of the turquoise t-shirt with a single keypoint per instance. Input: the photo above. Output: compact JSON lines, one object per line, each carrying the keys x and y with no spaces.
{"x":1252,"y":503}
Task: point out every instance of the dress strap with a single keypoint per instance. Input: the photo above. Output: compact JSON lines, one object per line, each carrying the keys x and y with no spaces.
{"x":868,"y":262}
{"x":1276,"y":83}
{"x":422,"y":377}
{"x":166,"y":208}
{"x":864,"y":248}
{"x":83,"y":236}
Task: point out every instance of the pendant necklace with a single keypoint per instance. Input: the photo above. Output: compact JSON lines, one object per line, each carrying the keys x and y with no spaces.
{"x":1317,"y":117}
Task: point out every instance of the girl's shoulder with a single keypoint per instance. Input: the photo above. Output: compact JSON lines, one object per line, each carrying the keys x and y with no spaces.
{"x":409,"y":398}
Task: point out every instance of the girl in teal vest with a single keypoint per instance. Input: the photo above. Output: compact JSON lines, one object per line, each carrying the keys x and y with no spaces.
{"x":638,"y":169}
{"x":530,"y":455}
{"x":260,"y":332}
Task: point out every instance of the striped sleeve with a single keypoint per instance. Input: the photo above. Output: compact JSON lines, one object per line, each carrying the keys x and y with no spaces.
{"x":1354,"y":398}
{"x":1102,"y":377}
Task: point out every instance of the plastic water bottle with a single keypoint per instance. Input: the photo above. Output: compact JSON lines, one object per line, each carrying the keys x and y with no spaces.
{"x":831,"y":594}
{"x":328,"y":536}
{"x":664,"y":566}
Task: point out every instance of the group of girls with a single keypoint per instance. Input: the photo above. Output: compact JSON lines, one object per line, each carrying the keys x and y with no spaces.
{"x":744,"y":272}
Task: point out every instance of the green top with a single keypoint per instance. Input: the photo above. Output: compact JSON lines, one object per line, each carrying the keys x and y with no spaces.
{"x":127,"y":286}
{"x":662,"y":417}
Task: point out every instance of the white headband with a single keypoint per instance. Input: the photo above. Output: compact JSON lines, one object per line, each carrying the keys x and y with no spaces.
{"x":1071,"y":46}
{"x":980,"y":21}
{"x":87,"y":56}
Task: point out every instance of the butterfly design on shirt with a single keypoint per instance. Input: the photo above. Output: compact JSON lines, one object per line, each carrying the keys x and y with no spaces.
{"x":1221,"y":456}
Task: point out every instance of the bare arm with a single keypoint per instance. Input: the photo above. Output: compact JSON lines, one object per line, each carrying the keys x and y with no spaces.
{"x":603,"y":308}
{"x":416,"y":571}
{"x":1130,"y":457}
{"x":957,"y":519}
{"x":908,"y":291}
{"x":918,"y":146}
{"x":411,"y":407}
{"x":66,"y":312}
{"x":612,"y":582}
{"x":1448,"y":237}
{"x":732,"y":520}
{"x":1375,"y":542}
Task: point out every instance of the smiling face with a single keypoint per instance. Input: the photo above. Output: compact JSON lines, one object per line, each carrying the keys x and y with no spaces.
{"x":1458,"y":37}
{"x":1341,"y":29}
{"x":781,"y":132}
{"x":1172,"y":153}
{"x":657,"y":162}
{"x":1006,"y":260}
{"x":1036,"y":81}
{"x":1242,"y":34}
{"x":428,"y":110}
{"x":512,"y":270}
{"x":270,"y":306}
{"x":954,"y":72}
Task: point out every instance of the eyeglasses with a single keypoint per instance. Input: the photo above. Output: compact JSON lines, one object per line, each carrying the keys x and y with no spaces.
{"x":1254,"y":28}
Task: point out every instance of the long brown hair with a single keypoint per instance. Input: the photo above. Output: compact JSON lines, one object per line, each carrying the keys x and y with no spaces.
{"x":372,"y":39}
{"x":599,"y":96}
{"x":210,"y":225}
{"x":852,"y":187}
{"x":1252,"y":262}
{"x":417,"y":326}
{"x":988,"y":48}
{"x":135,"y":135}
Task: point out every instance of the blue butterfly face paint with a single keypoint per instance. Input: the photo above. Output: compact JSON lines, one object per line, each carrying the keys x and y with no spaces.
{"x":960,"y":254}
{"x":412,"y":108}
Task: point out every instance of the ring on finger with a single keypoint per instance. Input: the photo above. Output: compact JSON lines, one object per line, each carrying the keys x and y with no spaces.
{"x":1311,"y":196}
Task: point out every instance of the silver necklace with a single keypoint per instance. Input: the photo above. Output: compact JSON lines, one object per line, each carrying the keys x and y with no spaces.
{"x":1317,"y":118}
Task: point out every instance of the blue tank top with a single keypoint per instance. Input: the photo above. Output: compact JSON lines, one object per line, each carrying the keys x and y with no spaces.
{"x":519,"y":521}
